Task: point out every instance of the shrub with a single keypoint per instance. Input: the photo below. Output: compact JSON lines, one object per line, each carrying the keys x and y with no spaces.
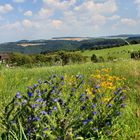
{"x":66,"y":108}
{"x":94,"y":58}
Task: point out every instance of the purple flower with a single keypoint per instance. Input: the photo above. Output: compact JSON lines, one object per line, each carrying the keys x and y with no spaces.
{"x":34,"y":106}
{"x":85,"y":121}
{"x":122,"y":98}
{"x":39,"y":100}
{"x":18,"y":95}
{"x":24,"y":102}
{"x":123,"y":105}
{"x":54,"y":100}
{"x":93,"y":106}
{"x":39,"y":81}
{"x":62,"y":83}
{"x":49,"y":112}
{"x":45,"y":129}
{"x":35,"y":85}
{"x":43,"y":112}
{"x":109,"y":105}
{"x":82,"y":99}
{"x":54,"y":108}
{"x":82,"y":107}
{"x":30,"y":94}
{"x":97,"y":86}
{"x":94,"y":112}
{"x":81,"y":95}
{"x":62,"y":78}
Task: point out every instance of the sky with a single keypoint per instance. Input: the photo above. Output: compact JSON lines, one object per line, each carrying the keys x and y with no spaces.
{"x":44,"y":19}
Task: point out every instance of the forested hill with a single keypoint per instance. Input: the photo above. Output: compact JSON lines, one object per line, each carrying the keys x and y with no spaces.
{"x":68,"y":43}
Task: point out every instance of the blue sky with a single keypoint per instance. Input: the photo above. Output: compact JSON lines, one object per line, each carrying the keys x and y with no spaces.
{"x":44,"y":19}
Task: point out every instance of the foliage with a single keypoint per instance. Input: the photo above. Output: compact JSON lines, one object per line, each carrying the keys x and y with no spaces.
{"x":66,"y":107}
{"x":135,"y":54}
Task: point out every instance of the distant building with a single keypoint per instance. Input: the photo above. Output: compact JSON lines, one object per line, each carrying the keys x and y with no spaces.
{"x":4,"y":57}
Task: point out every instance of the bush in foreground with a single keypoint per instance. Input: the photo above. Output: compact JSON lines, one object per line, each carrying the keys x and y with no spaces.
{"x":66,"y":108}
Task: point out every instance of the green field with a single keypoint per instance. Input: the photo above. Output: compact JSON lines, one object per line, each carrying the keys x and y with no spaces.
{"x":118,"y":52}
{"x":17,"y":79}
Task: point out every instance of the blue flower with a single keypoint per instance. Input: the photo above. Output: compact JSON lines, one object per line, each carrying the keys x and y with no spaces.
{"x":54,"y":100}
{"x":85,"y":121}
{"x":45,"y":128}
{"x":109,"y":105}
{"x":39,"y":81}
{"x":97,"y":86}
{"x":49,"y":112}
{"x":123,"y":105}
{"x":30,"y":94}
{"x":54,"y":108}
{"x":35,"y":85}
{"x":93,"y":106}
{"x":34,"y":106}
{"x":39,"y":100}
{"x":82,"y":107}
{"x":62,"y":78}
{"x":94,"y":112}
{"x":18,"y":95}
{"x":24,"y":102}
{"x":82,"y":99}
{"x":43,"y":112}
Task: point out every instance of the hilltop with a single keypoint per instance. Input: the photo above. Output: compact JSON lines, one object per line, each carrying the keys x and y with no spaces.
{"x":68,"y":44}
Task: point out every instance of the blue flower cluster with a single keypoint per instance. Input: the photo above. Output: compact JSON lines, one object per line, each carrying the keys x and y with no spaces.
{"x":53,"y":109}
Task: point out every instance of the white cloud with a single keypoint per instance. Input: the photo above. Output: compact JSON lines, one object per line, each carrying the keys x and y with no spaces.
{"x":114,"y":17}
{"x":18,"y":1}
{"x":5,"y":8}
{"x":129,"y":21}
{"x":56,"y":23}
{"x":45,"y":13}
{"x":90,"y":6}
{"x":59,"y":4}
{"x":137,"y":2}
{"x":28,"y":13}
{"x":27,"y":23}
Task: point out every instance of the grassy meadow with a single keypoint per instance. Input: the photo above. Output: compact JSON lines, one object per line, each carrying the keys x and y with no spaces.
{"x":117,"y":52}
{"x":17,"y":79}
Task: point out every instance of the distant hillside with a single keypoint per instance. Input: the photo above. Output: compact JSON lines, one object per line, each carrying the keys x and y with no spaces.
{"x":68,"y":43}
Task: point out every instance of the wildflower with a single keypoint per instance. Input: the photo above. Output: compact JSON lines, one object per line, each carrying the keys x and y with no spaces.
{"x":109,"y":105}
{"x":54,"y":100}
{"x":35,"y":85}
{"x":97,"y":86}
{"x":62,"y":78}
{"x":39,"y":100}
{"x":18,"y":95}
{"x":82,"y":99}
{"x":123,"y":105}
{"x":54,"y":108}
{"x":24,"y":102}
{"x":34,"y":106}
{"x":85,"y":121}
{"x":49,"y":112}
{"x":45,"y":128}
{"x":30,"y":94}
{"x":93,"y":106}
{"x":94,"y":112}
{"x":82,"y":107}
{"x":43,"y":112}
{"x":39,"y":81}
